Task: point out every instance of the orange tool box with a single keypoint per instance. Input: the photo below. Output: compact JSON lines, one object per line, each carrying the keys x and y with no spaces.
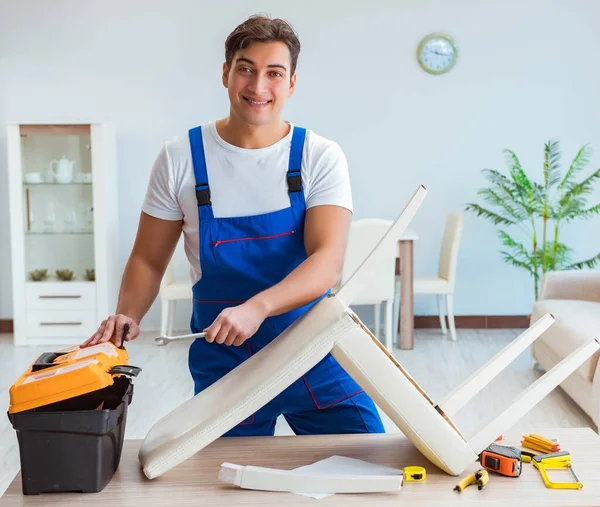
{"x":69,"y":410}
{"x":71,"y":372}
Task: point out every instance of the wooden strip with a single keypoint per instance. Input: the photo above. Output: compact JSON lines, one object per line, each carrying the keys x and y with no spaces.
{"x":476,"y":321}
{"x":55,"y":130}
{"x":6,"y":326}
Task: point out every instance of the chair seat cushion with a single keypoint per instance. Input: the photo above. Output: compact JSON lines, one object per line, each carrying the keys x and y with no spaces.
{"x":177,"y":290}
{"x":431,"y":285}
{"x":576,"y":322}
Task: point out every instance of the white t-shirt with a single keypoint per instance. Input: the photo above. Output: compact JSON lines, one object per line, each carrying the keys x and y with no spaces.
{"x":243,"y":182}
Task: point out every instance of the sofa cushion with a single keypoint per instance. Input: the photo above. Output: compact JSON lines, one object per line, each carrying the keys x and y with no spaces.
{"x":576,"y":323}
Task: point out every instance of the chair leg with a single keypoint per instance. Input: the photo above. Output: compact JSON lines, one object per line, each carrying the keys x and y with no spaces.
{"x":164,"y":319}
{"x":171,"y":319}
{"x":377,"y":321}
{"x":450,"y":306}
{"x":440,"y":301}
{"x":389,"y":326}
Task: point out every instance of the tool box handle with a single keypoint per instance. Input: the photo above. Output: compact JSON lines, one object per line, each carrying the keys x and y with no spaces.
{"x":45,"y":360}
{"x":125,"y":369}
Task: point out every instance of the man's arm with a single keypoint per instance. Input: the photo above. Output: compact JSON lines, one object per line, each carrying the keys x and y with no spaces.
{"x":154,"y":245}
{"x":325,"y":237}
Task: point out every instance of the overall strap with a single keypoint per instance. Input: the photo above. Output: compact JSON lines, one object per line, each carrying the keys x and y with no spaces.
{"x":199,"y":163}
{"x":294,"y":173}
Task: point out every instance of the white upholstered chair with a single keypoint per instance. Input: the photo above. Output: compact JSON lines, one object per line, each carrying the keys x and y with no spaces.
{"x":171,"y":291}
{"x":443,"y":284}
{"x":363,"y":235}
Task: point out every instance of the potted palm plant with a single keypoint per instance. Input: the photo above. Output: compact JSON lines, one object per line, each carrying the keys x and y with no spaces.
{"x":539,"y":210}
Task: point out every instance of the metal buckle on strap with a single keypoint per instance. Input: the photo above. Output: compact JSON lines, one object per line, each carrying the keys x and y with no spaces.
{"x":294,"y":181}
{"x":203,"y":194}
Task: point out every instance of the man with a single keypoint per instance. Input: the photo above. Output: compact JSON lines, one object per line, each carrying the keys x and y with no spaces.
{"x":265,"y":208}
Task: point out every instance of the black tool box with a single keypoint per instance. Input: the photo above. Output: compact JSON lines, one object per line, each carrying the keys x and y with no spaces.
{"x":69,"y":410}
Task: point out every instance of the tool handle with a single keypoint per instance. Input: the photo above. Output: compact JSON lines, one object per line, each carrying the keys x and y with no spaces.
{"x":185,"y":336}
{"x":163,"y":340}
{"x":45,"y":360}
{"x":125,"y":333}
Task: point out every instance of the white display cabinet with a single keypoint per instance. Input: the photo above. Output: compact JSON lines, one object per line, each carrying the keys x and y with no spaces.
{"x":64,"y":230}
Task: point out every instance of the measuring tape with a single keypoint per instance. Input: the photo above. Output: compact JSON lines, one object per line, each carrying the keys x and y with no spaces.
{"x":414,"y":474}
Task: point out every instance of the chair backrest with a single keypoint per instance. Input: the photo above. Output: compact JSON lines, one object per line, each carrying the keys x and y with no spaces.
{"x":169,"y":275}
{"x":449,"y":249}
{"x":363,"y":236}
{"x":176,"y":266}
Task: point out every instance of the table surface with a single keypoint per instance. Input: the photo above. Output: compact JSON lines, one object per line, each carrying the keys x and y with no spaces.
{"x":195,"y":483}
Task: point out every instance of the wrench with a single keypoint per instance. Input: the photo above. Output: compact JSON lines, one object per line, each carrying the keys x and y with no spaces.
{"x":164,"y":340}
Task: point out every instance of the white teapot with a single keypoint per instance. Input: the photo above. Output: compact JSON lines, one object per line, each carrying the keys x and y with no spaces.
{"x":64,"y":170}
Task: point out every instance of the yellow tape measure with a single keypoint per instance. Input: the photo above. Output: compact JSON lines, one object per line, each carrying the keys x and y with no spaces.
{"x":414,"y":474}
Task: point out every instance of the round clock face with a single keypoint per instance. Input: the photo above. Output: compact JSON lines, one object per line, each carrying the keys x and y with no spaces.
{"x":437,"y":53}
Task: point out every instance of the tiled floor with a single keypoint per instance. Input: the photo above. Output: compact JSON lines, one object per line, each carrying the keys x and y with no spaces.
{"x":437,"y":363}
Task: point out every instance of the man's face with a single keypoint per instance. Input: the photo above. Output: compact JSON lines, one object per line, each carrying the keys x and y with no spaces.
{"x":259,"y":82}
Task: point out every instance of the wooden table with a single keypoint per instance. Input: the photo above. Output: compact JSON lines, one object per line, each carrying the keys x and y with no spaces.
{"x":194,"y":482}
{"x":406,"y":270}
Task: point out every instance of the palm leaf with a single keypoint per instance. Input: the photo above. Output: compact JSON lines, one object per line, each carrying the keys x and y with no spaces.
{"x":589,"y":263}
{"x":490,"y":215}
{"x":502,"y":184}
{"x":551,"y":164}
{"x":513,"y":261}
{"x":583,"y":188}
{"x":522,"y":183}
{"x":581,"y":160}
{"x":545,"y":255}
{"x":589,"y":213}
{"x":519,"y":250}
{"x":491,"y":197}
{"x":496,"y":177}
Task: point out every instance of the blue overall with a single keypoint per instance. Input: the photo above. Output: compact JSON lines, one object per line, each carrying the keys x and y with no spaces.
{"x":240,"y":257}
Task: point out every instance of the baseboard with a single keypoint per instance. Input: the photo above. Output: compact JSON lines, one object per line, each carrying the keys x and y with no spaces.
{"x":6,"y":326}
{"x":476,"y":321}
{"x":421,"y":322}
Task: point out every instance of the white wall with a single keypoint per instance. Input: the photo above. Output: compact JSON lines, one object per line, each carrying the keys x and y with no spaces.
{"x":527,"y":72}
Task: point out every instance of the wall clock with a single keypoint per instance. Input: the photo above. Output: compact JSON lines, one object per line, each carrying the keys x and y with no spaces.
{"x":437,"y":53}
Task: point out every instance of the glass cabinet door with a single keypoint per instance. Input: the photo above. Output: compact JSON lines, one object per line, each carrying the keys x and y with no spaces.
{"x":57,"y":203}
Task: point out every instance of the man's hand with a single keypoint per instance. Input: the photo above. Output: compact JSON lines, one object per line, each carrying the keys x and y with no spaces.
{"x":235,"y":325}
{"x":111,"y":329}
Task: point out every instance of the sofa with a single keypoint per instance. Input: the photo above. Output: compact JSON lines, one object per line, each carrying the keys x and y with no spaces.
{"x":573,"y":298}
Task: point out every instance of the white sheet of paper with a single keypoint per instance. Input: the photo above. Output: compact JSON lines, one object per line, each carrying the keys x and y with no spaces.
{"x":343,"y":465}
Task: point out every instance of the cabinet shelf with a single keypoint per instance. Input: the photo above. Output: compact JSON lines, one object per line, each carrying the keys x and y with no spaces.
{"x":54,"y":184}
{"x":59,"y":233}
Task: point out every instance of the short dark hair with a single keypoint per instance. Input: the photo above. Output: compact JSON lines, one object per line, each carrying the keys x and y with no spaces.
{"x":261,"y":28}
